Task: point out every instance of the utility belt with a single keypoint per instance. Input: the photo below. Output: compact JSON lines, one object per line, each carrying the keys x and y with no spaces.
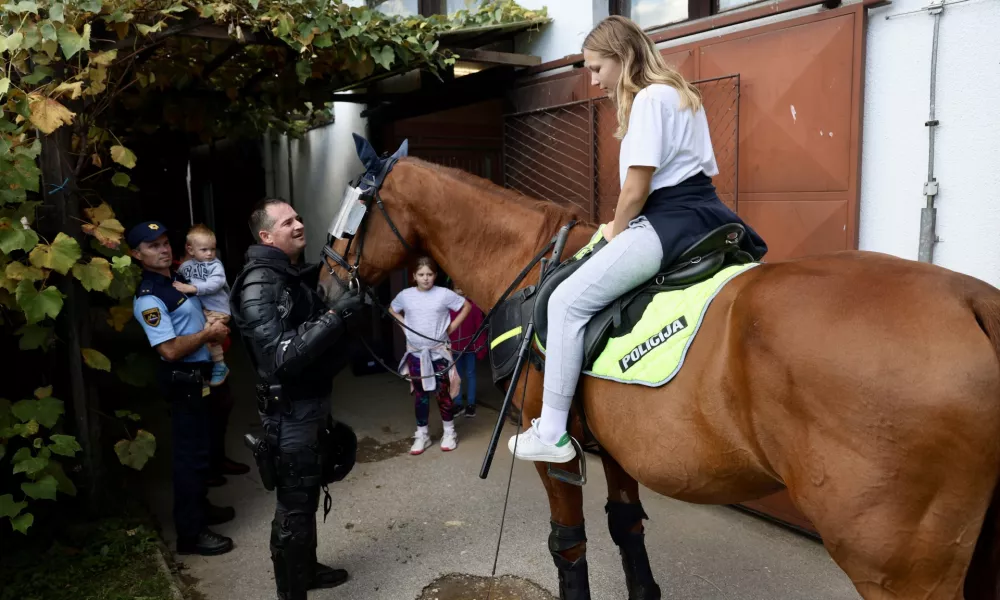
{"x":193,"y":373}
{"x":304,"y":468}
{"x":329,"y":461}
{"x":270,"y":397}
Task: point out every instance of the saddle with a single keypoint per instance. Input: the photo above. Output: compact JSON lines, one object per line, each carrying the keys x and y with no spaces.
{"x":701,"y":261}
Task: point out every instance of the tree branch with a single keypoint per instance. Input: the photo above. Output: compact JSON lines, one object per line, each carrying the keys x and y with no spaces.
{"x":158,"y":38}
{"x":213,"y":65}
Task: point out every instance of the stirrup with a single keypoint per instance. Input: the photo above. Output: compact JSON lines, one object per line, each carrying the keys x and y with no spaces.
{"x":567,"y":477}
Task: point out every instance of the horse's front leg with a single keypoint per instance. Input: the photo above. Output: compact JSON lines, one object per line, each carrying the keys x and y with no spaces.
{"x":625,"y":517}
{"x":568,"y":540}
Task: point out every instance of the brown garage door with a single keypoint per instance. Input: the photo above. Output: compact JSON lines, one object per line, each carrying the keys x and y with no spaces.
{"x":795,"y":159}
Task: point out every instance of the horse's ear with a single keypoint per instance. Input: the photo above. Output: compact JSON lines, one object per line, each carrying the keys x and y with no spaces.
{"x":403,"y":150}
{"x":369,"y":158}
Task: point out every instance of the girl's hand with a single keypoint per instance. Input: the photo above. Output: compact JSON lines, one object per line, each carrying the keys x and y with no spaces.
{"x":185,"y":288}
{"x":608,"y":227}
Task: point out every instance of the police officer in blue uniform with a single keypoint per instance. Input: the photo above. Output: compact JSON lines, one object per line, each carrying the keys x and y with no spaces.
{"x":175,"y":326}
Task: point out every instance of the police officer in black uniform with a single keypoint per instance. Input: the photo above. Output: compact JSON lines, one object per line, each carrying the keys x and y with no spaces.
{"x":175,"y":326}
{"x":290,"y":333}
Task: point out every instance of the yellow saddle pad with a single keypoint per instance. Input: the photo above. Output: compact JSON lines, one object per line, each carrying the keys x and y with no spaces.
{"x":653,"y":352}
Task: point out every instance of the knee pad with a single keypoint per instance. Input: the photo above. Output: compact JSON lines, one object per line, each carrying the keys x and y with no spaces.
{"x":293,"y":529}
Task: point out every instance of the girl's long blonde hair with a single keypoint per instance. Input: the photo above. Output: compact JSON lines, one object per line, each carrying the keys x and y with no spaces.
{"x":621,"y":39}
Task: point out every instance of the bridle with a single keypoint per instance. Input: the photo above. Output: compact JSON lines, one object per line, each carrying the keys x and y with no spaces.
{"x":354,"y":283}
{"x":373,"y":186}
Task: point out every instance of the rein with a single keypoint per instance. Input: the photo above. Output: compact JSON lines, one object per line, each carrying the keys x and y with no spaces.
{"x":354,"y":281}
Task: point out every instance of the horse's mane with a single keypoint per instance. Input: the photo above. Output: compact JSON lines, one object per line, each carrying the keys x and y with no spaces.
{"x":550,"y":211}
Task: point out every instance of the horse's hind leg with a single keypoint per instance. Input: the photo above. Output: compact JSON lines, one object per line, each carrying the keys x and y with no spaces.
{"x":625,"y":517}
{"x":907,"y":533}
{"x":568,"y":540}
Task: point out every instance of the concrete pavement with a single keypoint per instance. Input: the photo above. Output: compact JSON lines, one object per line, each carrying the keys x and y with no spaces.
{"x":399,"y":523}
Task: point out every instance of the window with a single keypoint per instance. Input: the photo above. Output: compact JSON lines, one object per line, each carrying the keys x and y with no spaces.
{"x":652,"y":13}
{"x":399,"y":8}
{"x":456,"y":5}
{"x":656,"y":13}
{"x":725,"y":5}
{"x":409,"y":8}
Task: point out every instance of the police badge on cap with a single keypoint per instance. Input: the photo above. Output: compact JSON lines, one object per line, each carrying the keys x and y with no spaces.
{"x":145,"y":232}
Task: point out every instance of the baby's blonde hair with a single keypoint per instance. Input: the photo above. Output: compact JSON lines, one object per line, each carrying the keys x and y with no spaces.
{"x":642,"y":65}
{"x":199,"y":230}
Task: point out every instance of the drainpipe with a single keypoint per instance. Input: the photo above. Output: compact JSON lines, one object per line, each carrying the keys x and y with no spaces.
{"x":928,"y":216}
{"x":291,"y":173}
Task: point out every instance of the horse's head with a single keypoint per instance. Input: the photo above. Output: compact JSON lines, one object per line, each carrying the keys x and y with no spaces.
{"x":364,"y":251}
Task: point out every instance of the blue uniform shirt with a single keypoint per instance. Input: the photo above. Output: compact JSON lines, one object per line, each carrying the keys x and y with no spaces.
{"x":166,"y":313}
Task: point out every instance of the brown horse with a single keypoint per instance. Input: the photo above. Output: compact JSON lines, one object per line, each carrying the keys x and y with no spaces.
{"x":867,"y":386}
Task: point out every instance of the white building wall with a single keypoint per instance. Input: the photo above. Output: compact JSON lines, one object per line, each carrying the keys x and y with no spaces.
{"x":894,"y":148}
{"x":572,"y":20}
{"x":895,"y":141}
{"x":322,"y":164}
{"x":967,"y":145}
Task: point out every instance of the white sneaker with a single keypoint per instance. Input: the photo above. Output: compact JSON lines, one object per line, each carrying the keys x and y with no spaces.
{"x":531,"y":447}
{"x":421,"y":442}
{"x":449,"y":441}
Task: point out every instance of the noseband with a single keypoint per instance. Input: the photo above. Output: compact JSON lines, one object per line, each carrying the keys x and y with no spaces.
{"x":372,"y":187}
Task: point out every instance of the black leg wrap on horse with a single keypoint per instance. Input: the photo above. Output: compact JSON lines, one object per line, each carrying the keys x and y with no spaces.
{"x":622,"y":518}
{"x":574,"y":581}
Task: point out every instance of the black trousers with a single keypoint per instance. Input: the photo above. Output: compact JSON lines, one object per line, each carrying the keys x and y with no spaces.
{"x":220,"y":406}
{"x":190,"y":416}
{"x":293,"y":531}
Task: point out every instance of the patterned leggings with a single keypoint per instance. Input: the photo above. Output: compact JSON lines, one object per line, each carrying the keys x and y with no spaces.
{"x":422,"y":399}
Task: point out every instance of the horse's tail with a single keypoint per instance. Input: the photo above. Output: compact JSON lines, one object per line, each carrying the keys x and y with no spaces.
{"x":983,"y":579}
{"x":982,"y":582}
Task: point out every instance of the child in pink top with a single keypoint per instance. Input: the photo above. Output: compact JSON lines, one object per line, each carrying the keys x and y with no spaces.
{"x":475,"y":349}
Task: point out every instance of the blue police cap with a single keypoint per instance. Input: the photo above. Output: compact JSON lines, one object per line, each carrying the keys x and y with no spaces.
{"x":145,"y":232}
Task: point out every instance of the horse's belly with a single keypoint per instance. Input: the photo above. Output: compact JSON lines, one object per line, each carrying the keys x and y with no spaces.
{"x":673,"y":449}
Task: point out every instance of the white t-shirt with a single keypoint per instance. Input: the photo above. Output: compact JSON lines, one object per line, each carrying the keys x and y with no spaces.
{"x":427,"y":312}
{"x":676,"y":142}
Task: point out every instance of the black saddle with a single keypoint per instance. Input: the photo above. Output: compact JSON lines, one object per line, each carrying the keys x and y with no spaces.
{"x":702,"y":260}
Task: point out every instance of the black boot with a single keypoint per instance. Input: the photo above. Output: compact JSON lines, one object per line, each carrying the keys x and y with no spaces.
{"x":622,"y":519}
{"x":231,"y":467}
{"x":327,"y":577}
{"x":206,"y":543}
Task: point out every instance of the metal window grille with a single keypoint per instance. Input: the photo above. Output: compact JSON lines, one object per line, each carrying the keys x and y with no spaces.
{"x":568,"y":154}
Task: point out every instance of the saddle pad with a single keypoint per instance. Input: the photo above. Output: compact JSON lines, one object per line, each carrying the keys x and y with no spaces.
{"x":653,"y":352}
